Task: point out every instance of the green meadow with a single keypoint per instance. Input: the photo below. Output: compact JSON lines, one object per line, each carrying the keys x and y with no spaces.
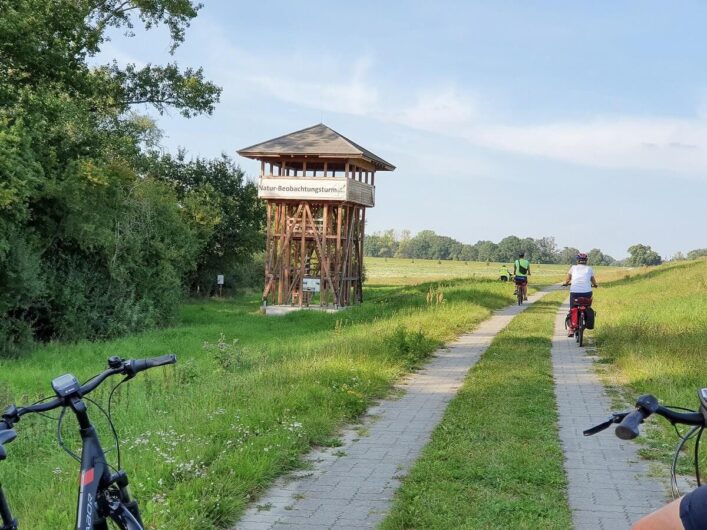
{"x":395,"y":271}
{"x":250,"y":394}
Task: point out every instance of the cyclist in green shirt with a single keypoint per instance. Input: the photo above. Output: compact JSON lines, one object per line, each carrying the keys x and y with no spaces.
{"x":521,"y":271}
{"x":504,"y":273}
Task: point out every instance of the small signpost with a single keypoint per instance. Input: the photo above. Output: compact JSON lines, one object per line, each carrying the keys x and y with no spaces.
{"x":311,"y":285}
{"x":219,"y":282}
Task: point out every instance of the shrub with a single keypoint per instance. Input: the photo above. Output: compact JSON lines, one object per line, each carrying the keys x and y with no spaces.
{"x":413,"y":347}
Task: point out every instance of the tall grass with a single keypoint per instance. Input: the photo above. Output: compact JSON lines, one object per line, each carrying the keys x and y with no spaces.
{"x":249,"y":395}
{"x":652,"y":335}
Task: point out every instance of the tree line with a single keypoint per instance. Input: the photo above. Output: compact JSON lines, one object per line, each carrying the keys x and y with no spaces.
{"x":429,"y":245}
{"x":101,"y":233}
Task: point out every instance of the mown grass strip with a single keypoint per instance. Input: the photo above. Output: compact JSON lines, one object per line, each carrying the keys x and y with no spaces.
{"x":652,"y":338}
{"x":495,"y":461}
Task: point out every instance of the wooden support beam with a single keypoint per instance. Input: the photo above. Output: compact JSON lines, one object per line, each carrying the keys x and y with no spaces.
{"x":338,"y":261}
{"x":324,"y":263}
{"x":285,"y":255}
{"x":330,"y":234}
{"x":345,"y":285}
{"x":361,"y":237}
{"x":324,"y":273}
{"x":302,"y":251}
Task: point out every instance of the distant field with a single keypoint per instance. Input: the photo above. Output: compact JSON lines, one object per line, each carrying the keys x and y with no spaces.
{"x":398,"y":271}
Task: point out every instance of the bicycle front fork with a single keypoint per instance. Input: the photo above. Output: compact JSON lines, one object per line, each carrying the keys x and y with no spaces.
{"x":120,"y":479}
{"x":8,"y":523}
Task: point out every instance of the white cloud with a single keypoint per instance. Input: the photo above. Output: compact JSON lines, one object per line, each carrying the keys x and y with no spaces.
{"x":640,"y":143}
{"x":616,"y":142}
{"x":344,"y":83}
{"x":442,"y":110}
{"x":350,"y":93}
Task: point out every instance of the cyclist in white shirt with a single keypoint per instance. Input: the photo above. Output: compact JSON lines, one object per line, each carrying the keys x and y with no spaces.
{"x":581,"y":279}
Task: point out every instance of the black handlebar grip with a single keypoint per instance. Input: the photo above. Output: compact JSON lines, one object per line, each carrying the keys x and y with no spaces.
{"x":170,"y":358}
{"x":139,"y":365}
{"x":628,"y":428}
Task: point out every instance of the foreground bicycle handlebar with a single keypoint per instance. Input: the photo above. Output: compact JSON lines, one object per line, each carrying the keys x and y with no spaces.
{"x":66,"y":386}
{"x":102,"y":494}
{"x":629,"y":423}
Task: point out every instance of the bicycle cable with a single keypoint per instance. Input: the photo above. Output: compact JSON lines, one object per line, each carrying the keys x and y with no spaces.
{"x":110,"y":417}
{"x":679,"y":408}
{"x":60,"y":438}
{"x":684,"y":439}
{"x":112,"y":428}
{"x":697,"y":457}
{"x":673,"y":468}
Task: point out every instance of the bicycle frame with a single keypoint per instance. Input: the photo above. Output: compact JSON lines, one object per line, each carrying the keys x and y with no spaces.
{"x":94,"y":500}
{"x":8,"y":522}
{"x":102,"y":495}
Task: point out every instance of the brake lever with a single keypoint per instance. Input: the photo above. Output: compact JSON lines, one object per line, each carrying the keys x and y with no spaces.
{"x":616,"y":417}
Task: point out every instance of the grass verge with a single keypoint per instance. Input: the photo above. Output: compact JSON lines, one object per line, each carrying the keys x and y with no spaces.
{"x":652,"y":339}
{"x":495,"y":461}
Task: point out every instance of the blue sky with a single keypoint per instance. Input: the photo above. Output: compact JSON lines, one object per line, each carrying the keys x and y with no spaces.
{"x":586,"y":121}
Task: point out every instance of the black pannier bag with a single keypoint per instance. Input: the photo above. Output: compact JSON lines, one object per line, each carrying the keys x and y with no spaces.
{"x":589,"y":318}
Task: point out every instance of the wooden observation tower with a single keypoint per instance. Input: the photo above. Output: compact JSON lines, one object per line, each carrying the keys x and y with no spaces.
{"x":317,"y":185}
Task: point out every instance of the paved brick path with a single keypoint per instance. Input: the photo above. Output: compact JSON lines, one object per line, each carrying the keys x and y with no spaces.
{"x":352,"y":486}
{"x":608,"y":485}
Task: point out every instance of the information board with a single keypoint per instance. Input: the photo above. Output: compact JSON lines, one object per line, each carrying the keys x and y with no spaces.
{"x":311,"y":284}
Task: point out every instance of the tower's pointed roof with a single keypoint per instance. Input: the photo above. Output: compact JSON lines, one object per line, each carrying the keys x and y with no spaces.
{"x":318,"y":140}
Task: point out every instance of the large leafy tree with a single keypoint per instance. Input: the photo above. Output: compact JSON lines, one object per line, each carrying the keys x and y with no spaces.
{"x":568,"y":255}
{"x":88,"y":245}
{"x":238,"y":214}
{"x":508,"y":249}
{"x":47,"y":44}
{"x":697,"y":253}
{"x":640,"y":255}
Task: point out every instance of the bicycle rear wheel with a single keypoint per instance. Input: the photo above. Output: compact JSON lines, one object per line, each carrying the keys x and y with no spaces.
{"x":580,"y":339}
{"x":520,"y":295}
